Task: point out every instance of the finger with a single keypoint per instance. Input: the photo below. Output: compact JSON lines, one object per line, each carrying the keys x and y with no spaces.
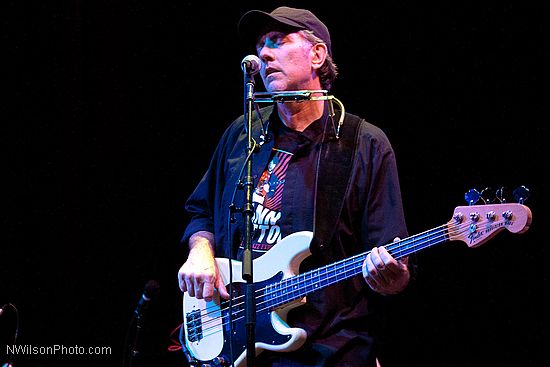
{"x":389,"y":262}
{"x":373,"y":272}
{"x":392,"y":265}
{"x":207,"y":291}
{"x":199,"y":291}
{"x":377,"y":259}
{"x":372,"y":283}
{"x":181,"y":282}
{"x":366,"y":269}
{"x":197,"y":285}
{"x":222,"y":289}
{"x":370,"y":267}
{"x":206,"y":283}
{"x":183,"y":286}
{"x":383,"y":274}
{"x":190,"y":287}
{"x":369,"y":273}
{"x":404,"y":259}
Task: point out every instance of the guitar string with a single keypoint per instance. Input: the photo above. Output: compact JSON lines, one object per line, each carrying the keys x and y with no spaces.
{"x":402,"y":245}
{"x":395,"y":245}
{"x":390,"y":247}
{"x":215,"y":328}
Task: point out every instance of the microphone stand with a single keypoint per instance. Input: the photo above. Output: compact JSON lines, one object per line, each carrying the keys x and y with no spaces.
{"x":247,"y":271}
{"x":135,"y":353}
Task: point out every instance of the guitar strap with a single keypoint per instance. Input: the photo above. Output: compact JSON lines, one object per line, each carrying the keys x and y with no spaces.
{"x":333,"y":179}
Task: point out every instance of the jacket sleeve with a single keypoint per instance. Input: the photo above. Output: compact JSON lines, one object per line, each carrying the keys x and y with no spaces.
{"x":383,"y":215}
{"x":203,"y":204}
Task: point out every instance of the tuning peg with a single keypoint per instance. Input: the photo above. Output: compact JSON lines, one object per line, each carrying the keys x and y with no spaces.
{"x":521,"y":194}
{"x":487,"y":195}
{"x":472,"y":196}
{"x":500,"y":194}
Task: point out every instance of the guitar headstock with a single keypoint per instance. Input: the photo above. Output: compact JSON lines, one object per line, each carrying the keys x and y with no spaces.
{"x":476,"y":224}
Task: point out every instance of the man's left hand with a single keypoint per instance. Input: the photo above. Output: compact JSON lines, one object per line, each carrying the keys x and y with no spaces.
{"x":384,"y":274}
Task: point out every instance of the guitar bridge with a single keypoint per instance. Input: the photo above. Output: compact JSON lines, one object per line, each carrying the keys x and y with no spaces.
{"x":194,"y":325}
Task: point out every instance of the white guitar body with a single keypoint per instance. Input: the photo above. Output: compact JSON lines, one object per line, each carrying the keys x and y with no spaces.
{"x":285,"y":256}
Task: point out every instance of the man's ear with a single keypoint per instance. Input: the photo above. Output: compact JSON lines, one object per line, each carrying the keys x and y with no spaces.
{"x":319,"y":56}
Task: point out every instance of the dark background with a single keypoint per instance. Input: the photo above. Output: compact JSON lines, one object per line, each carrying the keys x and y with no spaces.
{"x":111,"y":111}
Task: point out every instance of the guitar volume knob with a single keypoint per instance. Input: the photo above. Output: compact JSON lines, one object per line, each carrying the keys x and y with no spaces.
{"x":220,"y":361}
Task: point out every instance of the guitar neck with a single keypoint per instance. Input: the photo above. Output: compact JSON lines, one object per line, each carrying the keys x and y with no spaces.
{"x":296,"y":287}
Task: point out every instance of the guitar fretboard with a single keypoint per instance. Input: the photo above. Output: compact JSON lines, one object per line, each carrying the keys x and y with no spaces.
{"x":290,"y":289}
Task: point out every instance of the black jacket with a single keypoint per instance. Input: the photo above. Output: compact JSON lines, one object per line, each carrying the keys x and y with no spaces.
{"x":363,"y":209}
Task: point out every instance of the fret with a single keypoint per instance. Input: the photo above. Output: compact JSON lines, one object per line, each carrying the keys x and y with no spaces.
{"x":295,"y":287}
{"x":318,"y":279}
{"x":267,"y":296}
{"x":311,"y":282}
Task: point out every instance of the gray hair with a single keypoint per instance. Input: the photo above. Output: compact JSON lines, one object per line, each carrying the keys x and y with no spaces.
{"x":329,"y":70}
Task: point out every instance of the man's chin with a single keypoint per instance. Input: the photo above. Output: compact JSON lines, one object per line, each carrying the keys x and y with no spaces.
{"x":275,"y":87}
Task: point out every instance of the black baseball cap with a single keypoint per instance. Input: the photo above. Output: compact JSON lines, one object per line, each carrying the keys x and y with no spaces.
{"x":254,"y":23}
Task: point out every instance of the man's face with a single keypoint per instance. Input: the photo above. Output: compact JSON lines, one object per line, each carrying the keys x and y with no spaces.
{"x":286,"y":62}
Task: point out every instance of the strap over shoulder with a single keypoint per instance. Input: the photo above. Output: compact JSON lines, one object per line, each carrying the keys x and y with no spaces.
{"x":333,"y":179}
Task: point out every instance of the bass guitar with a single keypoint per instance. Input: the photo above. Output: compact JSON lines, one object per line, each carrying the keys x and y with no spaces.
{"x":215,"y":330}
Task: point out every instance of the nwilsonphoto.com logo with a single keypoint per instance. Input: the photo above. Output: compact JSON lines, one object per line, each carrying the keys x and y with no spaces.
{"x":56,"y":349}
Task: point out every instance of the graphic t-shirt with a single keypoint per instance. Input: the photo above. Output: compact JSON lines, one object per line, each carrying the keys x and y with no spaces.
{"x":284,"y":194}
{"x":267,"y":199}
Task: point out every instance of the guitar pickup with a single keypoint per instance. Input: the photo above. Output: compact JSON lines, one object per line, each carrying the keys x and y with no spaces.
{"x":194,"y":326}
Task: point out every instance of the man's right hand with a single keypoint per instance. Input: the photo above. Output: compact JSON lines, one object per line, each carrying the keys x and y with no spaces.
{"x":199,"y":275}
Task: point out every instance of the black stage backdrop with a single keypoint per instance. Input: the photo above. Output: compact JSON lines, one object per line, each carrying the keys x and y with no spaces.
{"x":111,"y":111}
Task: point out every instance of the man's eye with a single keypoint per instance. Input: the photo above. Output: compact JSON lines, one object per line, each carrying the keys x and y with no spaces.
{"x":274,"y":42}
{"x":270,"y":42}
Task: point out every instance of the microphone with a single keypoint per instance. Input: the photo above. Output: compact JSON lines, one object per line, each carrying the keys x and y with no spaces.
{"x":251,"y":64}
{"x":3,"y":308}
{"x":151,"y":289}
